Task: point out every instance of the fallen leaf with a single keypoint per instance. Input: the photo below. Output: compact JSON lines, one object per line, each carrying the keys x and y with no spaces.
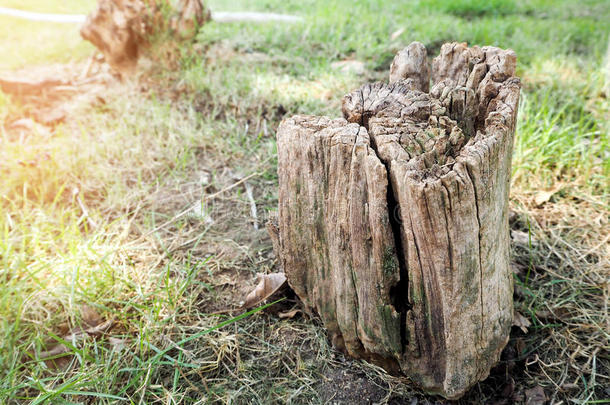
{"x":90,"y":316}
{"x":543,"y":196}
{"x":53,"y":357}
{"x":535,"y":396}
{"x":268,"y":285}
{"x":100,"y":329}
{"x":289,"y":314}
{"x":520,"y":321}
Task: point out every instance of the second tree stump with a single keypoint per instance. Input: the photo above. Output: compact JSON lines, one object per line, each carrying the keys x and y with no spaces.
{"x":393,"y":222}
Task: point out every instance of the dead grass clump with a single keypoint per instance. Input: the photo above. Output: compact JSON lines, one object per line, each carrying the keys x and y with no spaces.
{"x":562,"y":273}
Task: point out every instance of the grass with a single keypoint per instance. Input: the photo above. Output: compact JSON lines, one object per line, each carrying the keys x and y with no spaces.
{"x":30,"y":42}
{"x":200,"y":119}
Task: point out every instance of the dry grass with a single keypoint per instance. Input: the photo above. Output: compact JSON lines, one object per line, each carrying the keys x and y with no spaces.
{"x":563,"y":286}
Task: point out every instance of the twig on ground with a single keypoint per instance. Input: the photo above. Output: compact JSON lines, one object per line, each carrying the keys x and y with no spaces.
{"x":83,"y":208}
{"x":252,"y":205}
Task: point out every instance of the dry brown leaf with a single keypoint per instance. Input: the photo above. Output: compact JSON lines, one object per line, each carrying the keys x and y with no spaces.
{"x":520,"y":321}
{"x":76,"y":335}
{"x":267,"y":286}
{"x":53,"y":358}
{"x":90,"y":316}
{"x":543,"y":196}
{"x":54,"y":351}
{"x":100,"y":329}
{"x":535,"y":396}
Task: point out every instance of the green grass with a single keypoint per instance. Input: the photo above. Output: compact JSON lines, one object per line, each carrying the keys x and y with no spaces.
{"x":33,"y":42}
{"x":200,"y":120}
{"x":29,"y":42}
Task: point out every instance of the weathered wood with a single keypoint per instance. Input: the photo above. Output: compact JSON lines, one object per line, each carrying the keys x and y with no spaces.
{"x":393,"y":222}
{"x":120,"y":28}
{"x":411,"y":65}
{"x":191,"y":14}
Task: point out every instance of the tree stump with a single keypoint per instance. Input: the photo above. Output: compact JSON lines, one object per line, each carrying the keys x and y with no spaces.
{"x":393,"y":222}
{"x":120,"y":28}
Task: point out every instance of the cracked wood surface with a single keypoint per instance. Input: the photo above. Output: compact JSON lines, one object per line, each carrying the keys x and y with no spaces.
{"x":393,"y":221}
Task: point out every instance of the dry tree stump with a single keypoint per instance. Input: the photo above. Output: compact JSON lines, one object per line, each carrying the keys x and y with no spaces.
{"x":393,"y":220}
{"x":120,"y":28}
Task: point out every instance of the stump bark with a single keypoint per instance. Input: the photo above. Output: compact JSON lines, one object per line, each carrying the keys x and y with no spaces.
{"x":120,"y":28}
{"x":393,"y":221}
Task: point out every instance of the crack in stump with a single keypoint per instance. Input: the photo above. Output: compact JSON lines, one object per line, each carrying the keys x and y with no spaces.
{"x":399,"y":293}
